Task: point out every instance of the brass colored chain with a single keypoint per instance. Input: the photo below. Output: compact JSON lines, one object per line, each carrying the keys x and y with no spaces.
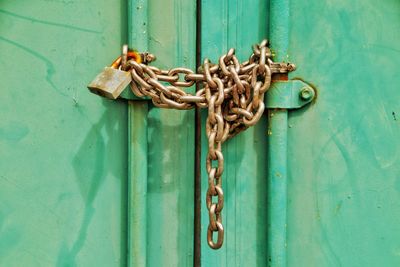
{"x":233,"y":92}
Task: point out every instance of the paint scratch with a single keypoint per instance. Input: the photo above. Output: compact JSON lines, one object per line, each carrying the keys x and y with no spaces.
{"x":56,"y":24}
{"x":49,"y":64}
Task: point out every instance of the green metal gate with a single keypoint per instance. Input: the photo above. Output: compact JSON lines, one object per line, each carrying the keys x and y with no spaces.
{"x":86,"y":181}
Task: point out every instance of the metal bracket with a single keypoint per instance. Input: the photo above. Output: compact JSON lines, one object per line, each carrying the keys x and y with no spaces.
{"x":127,"y":94}
{"x":291,"y":94}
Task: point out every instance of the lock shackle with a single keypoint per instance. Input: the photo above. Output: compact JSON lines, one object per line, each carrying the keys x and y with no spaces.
{"x":130,"y":55}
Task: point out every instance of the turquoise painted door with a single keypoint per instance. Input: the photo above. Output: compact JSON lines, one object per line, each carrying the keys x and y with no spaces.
{"x":63,"y":167}
{"x":167,"y":141}
{"x":344,"y":160}
{"x":86,"y":181}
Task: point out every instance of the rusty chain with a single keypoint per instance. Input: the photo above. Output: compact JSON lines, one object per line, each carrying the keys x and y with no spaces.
{"x":233,"y":92}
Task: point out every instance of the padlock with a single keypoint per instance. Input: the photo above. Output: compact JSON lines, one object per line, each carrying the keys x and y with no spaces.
{"x":112,"y":80}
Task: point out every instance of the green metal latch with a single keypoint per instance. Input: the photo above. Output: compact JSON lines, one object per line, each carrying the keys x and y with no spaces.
{"x":290,"y":94}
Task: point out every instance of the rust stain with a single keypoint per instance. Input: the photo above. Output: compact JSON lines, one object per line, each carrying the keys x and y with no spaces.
{"x":279,"y":77}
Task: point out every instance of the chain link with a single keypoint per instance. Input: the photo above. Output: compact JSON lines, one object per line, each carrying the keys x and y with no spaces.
{"x":233,"y":92}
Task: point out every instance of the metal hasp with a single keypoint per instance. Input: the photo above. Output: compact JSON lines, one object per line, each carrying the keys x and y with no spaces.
{"x":291,"y":94}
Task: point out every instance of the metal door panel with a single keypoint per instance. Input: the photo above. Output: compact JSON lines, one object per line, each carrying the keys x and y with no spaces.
{"x":166,"y":149}
{"x":238,"y":24}
{"x":344,"y":150}
{"x":63,"y":151}
{"x":86,"y":181}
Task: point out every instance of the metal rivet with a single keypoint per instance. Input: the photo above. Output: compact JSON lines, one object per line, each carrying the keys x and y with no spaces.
{"x":306,"y":93}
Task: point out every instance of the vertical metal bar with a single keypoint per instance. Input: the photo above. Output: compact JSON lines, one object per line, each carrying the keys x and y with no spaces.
{"x":137,"y":179}
{"x":137,"y":183}
{"x":197,"y":151}
{"x":279,"y":28}
{"x":277,"y":152}
{"x":277,"y":177}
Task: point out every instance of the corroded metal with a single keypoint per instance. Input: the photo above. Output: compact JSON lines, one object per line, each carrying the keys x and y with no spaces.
{"x":110,"y":82}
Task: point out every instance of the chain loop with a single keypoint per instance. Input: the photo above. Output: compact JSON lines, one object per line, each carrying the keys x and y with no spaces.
{"x":234,"y":95}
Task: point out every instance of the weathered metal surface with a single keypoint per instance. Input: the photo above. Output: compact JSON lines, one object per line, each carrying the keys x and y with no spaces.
{"x":344,"y":150}
{"x":137,"y":183}
{"x":63,"y":184}
{"x":277,"y":142}
{"x":227,"y":24}
{"x":138,"y":148}
{"x":171,"y":30}
{"x":63,"y":164}
{"x":110,"y":82}
{"x":277,"y":187}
